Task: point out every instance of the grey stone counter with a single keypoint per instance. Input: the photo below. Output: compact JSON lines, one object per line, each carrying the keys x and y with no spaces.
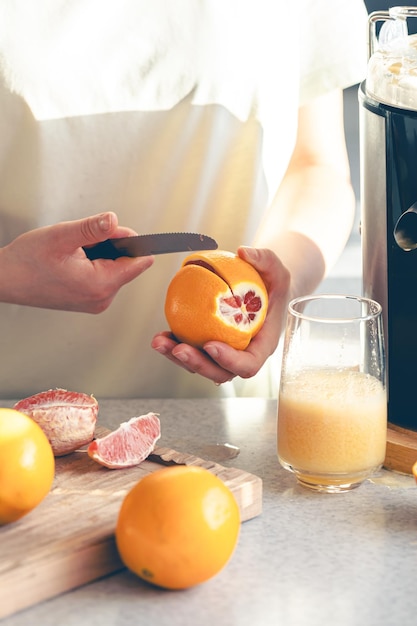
{"x":309,"y":559}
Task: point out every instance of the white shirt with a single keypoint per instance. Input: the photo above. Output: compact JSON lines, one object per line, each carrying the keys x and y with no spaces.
{"x":176,"y":114}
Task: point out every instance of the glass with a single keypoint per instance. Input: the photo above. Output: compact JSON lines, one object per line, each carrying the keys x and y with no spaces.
{"x":332,"y":408}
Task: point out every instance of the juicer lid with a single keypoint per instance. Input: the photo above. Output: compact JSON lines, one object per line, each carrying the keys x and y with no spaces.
{"x":392,"y":67}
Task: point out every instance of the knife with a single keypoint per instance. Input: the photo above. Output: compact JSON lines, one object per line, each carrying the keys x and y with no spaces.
{"x":144,"y":245}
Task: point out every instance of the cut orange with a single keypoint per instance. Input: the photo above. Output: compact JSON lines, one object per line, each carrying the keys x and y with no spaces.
{"x":129,"y":444}
{"x":27,"y":465}
{"x":178,"y":527}
{"x":68,"y":418}
{"x":217,"y":296}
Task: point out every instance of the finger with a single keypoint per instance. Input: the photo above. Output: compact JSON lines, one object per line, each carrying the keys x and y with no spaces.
{"x":90,"y":230}
{"x":189,"y":358}
{"x":277,"y":279}
{"x":199,"y":363}
{"x":268,"y":265}
{"x":242,"y":363}
{"x":164,"y":343}
{"x":86,"y":231}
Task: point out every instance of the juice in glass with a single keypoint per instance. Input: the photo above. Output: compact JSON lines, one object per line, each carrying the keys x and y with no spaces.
{"x":332,"y":426}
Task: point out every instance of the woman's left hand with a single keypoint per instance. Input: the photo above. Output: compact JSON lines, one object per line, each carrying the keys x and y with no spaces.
{"x":218,"y":361}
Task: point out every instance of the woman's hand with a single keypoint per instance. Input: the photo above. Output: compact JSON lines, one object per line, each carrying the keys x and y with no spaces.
{"x":47,"y":267}
{"x":218,"y":361}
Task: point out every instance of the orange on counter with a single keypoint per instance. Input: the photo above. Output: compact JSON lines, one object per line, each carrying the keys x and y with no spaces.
{"x":178,"y":527}
{"x":415,"y":470}
{"x":27,"y":465}
{"x":218,"y":296}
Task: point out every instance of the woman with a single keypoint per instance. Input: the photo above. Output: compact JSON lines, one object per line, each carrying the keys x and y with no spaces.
{"x":219,"y":118}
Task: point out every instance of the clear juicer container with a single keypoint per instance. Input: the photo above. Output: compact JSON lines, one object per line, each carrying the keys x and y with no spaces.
{"x":392,"y":67}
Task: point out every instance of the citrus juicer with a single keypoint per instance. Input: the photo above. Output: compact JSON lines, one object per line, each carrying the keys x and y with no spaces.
{"x":388,"y":173}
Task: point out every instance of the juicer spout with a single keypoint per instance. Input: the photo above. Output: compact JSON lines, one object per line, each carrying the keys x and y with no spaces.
{"x":405,"y":230}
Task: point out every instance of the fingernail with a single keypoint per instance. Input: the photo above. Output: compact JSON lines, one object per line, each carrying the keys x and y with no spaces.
{"x":160,"y":349}
{"x":181,"y":356}
{"x":251,"y":253}
{"x":105,"y":221}
{"x":213,"y":351}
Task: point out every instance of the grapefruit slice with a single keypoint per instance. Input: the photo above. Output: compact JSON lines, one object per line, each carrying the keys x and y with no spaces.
{"x":67,"y":418}
{"x":129,"y":445}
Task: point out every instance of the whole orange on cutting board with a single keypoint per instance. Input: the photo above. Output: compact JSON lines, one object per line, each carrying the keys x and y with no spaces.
{"x":178,"y":527}
{"x":27,"y":465}
{"x":217,"y":296}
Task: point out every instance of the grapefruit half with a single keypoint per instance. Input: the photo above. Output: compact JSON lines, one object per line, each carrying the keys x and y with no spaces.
{"x":67,"y":418}
{"x":216,"y":296}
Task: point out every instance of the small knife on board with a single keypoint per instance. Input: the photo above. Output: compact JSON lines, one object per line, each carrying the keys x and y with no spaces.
{"x":144,"y":245}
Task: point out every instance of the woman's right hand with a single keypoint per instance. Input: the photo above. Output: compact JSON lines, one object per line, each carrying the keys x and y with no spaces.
{"x":47,"y":267}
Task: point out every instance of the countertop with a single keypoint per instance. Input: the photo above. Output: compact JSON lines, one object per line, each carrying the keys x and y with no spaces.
{"x":309,"y":559}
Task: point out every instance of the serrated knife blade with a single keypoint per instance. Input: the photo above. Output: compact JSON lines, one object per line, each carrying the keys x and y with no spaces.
{"x":144,"y":245}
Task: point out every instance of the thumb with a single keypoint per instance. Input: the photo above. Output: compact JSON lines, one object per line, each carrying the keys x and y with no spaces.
{"x":260,"y":258}
{"x":89,"y":230}
{"x":97,"y":227}
{"x":269,"y":266}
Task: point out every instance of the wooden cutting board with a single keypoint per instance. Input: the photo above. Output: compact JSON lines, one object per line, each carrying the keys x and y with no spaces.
{"x":401,"y":451}
{"x":68,"y":540}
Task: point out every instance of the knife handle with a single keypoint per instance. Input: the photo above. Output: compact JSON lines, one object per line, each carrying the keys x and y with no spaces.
{"x":103,"y":250}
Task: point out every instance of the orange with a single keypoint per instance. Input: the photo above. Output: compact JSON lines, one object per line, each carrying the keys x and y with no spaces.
{"x":415,"y":470}
{"x":218,"y":296}
{"x":27,"y":465}
{"x":178,"y":527}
